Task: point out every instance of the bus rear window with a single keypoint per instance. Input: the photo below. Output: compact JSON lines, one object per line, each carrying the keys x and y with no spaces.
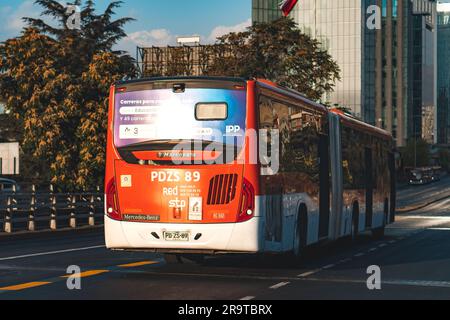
{"x":195,"y":114}
{"x":211,"y":111}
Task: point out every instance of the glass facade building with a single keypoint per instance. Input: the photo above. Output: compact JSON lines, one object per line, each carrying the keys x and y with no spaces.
{"x":387,"y":73}
{"x":337,"y":25}
{"x":265,"y":10}
{"x":443,"y":84}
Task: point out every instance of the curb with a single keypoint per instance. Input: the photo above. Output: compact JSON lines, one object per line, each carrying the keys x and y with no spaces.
{"x":32,"y":234}
{"x":420,"y":206}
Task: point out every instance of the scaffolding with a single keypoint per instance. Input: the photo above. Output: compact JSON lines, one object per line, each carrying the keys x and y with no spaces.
{"x":179,"y":60}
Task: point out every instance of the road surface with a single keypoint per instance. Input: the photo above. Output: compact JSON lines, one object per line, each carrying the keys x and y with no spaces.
{"x":414,"y":259}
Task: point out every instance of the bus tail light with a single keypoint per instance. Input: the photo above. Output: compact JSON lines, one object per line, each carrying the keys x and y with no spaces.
{"x":247,"y":208}
{"x":112,"y":204}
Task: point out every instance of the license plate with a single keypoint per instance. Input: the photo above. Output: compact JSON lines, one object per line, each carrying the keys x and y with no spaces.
{"x":176,"y":236}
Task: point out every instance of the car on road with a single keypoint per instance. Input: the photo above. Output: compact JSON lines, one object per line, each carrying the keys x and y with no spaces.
{"x":420,"y":177}
{"x":437,"y":172}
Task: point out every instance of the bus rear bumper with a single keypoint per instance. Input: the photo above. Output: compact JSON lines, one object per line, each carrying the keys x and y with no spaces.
{"x":239,"y":237}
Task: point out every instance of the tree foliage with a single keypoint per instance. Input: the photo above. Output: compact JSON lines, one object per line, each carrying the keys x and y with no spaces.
{"x":56,"y":83}
{"x":416,"y":152}
{"x":444,"y":159}
{"x":280,"y":52}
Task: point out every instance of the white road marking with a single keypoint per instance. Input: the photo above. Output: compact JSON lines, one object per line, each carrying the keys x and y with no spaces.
{"x":419,"y":283}
{"x":330,"y":266}
{"x":440,"y":229}
{"x":392,"y":241}
{"x":50,"y":253}
{"x":360,"y":255}
{"x":248,"y":298}
{"x":426,"y":218}
{"x":411,"y":283}
{"x":279,"y":285}
{"x":309,"y":273}
{"x":373,"y":250}
{"x":345,"y":260}
{"x":382,"y":245}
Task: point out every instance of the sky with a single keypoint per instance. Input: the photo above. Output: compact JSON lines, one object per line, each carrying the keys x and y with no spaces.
{"x":158,"y":22}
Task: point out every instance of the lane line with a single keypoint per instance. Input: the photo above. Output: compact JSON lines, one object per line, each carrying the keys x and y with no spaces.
{"x":345,"y":260}
{"x":410,"y":283}
{"x":279,"y":285}
{"x":373,"y":250}
{"x":330,"y":266}
{"x":24,"y":286}
{"x":426,"y":218}
{"x":249,"y":298}
{"x":440,"y":229}
{"x":359,"y":255}
{"x":309,"y":273}
{"x":86,"y":274}
{"x":138,"y":264}
{"x":50,"y":253}
{"x":382,"y":245}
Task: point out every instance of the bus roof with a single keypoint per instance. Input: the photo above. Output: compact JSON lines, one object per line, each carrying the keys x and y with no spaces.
{"x":178,"y":79}
{"x":231,"y":81}
{"x":362,"y":126}
{"x":346,"y":119}
{"x":291,"y":93}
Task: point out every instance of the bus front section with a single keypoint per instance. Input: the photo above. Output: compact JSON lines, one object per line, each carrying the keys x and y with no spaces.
{"x":176,"y":177}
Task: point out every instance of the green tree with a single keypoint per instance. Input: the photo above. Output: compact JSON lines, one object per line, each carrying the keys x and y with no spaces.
{"x":444,"y":159}
{"x":56,"y":83}
{"x":416,"y":152}
{"x":280,"y":52}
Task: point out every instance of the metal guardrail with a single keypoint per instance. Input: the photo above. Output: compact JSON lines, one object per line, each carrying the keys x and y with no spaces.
{"x":33,"y":211}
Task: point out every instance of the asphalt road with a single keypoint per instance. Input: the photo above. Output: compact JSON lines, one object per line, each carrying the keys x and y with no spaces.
{"x":414,"y":259}
{"x":421,"y":194}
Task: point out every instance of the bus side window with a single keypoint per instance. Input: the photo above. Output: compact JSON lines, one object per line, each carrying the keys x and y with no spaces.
{"x":266,"y":123}
{"x":274,"y":116}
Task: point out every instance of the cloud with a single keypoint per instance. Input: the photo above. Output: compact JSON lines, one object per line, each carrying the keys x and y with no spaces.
{"x":223,"y":30}
{"x":156,"y":37}
{"x":144,"y":38}
{"x":12,"y":19}
{"x":163,"y":37}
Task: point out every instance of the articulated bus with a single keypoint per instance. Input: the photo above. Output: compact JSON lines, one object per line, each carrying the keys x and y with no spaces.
{"x":202,"y":165}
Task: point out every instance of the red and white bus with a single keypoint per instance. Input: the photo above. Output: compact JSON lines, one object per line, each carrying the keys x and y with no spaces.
{"x":330,"y":176}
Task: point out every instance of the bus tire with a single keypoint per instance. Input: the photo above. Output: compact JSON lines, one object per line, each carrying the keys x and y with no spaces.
{"x":192,"y":258}
{"x":172,"y":258}
{"x":355,"y":222}
{"x":379,"y":233}
{"x":301,"y":234}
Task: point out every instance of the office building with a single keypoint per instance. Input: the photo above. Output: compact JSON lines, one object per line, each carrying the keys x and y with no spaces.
{"x":443,"y":84}
{"x":386,"y":50}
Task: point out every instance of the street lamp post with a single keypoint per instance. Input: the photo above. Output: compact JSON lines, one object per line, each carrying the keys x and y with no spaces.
{"x":415,"y":138}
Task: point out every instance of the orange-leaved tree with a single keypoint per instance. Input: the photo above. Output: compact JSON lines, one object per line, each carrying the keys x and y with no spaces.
{"x":55,"y":81}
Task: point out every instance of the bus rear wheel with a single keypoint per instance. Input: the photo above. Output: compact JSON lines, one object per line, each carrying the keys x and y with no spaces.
{"x":172,"y":258}
{"x":301,"y":233}
{"x":379,"y":233}
{"x":184,"y":258}
{"x":355,"y":222}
